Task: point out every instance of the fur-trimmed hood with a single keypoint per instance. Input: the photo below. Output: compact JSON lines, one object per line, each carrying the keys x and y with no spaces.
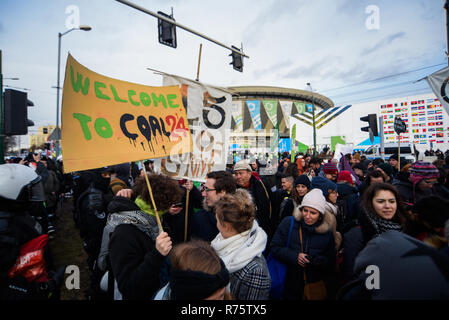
{"x":329,"y":222}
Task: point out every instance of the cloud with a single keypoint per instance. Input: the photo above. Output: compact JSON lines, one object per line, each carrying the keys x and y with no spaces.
{"x":382,"y":43}
{"x":273,"y":68}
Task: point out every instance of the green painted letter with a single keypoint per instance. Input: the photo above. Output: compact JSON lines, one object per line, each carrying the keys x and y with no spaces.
{"x":170,"y":97}
{"x":83,"y":119}
{"x":79,"y":82}
{"x":145,"y":99}
{"x":130,"y":94}
{"x":98,"y":92}
{"x":103,"y":128}
{"x":116,"y":97}
{"x":156,"y":99}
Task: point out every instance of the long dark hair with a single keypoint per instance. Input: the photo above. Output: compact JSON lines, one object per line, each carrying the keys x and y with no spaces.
{"x":400,"y":216}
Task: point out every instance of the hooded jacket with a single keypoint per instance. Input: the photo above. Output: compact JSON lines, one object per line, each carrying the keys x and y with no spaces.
{"x":319,"y":245}
{"x":409,"y":269}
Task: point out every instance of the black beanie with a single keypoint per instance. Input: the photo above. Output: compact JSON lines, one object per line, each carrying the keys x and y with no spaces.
{"x":197,"y":285}
{"x":303,"y":179}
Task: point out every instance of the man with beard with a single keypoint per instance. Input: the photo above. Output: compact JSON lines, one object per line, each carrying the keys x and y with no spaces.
{"x":204,"y":223}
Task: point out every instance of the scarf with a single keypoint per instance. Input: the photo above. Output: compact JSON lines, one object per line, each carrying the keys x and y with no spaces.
{"x":144,"y":222}
{"x":146,"y":207}
{"x":381,"y":225}
{"x":237,"y":251}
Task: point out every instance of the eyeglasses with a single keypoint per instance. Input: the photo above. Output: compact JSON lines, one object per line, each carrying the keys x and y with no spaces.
{"x":204,"y":189}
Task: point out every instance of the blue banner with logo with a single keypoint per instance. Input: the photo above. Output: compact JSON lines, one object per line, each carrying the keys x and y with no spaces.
{"x":254,"y":110}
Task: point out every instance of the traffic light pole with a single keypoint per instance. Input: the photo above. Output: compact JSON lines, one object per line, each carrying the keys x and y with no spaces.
{"x":154,"y":14}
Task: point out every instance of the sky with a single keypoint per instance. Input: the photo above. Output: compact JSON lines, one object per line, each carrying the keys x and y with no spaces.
{"x":338,"y":46}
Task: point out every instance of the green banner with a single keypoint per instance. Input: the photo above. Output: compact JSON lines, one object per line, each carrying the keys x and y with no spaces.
{"x":300,"y":107}
{"x":335,"y":140}
{"x":271,"y":109}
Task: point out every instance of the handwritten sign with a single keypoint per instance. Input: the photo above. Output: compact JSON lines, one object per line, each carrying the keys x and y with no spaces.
{"x":107,"y":121}
{"x":209,"y":114}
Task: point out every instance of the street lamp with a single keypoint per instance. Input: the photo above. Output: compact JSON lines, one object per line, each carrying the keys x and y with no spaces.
{"x":313,"y":119}
{"x":58,"y":135}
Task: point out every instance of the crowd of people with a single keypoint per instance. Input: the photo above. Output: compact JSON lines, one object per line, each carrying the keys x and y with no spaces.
{"x":149,"y":236}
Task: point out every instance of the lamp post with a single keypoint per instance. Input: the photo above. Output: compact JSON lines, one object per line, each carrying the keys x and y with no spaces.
{"x":313,"y":119}
{"x":58,"y":134}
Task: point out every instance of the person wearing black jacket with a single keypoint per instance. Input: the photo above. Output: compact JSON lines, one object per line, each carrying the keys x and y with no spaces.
{"x":137,"y":247}
{"x":381,"y":210}
{"x":315,"y":254}
{"x":260,"y":195}
{"x":177,"y":218}
{"x":204,"y":222}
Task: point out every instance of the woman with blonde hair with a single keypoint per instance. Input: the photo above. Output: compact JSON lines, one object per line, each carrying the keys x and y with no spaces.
{"x":240,"y":244}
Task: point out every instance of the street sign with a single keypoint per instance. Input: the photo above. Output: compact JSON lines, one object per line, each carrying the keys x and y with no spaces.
{"x":399,"y":125}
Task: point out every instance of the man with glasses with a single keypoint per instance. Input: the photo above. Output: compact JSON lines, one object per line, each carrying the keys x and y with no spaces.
{"x":204,"y":223}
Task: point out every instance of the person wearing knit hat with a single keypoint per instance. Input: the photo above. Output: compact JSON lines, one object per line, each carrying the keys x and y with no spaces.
{"x":330,"y":193}
{"x":325,"y":185}
{"x":300,"y":188}
{"x":197,"y":273}
{"x":330,"y":171}
{"x":302,"y":185}
{"x":311,"y":248}
{"x":423,"y":175}
{"x":345,"y":176}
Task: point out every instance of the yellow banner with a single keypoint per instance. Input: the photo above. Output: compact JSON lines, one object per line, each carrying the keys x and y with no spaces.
{"x":107,"y":121}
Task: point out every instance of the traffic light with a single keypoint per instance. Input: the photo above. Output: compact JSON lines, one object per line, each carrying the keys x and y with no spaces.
{"x":372,"y":123}
{"x":237,"y":60}
{"x":167,"y":31}
{"x":16,"y":112}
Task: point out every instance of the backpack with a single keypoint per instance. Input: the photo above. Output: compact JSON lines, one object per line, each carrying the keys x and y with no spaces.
{"x":23,"y":253}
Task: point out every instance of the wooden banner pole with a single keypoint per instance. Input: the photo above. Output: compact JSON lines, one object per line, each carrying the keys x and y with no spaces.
{"x":187,"y":214}
{"x":158,"y":219}
{"x":199,"y":62}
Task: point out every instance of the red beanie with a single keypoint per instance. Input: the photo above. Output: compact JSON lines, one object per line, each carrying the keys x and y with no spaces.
{"x":345,"y":175}
{"x":330,"y":168}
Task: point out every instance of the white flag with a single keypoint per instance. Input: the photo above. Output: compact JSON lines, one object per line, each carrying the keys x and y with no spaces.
{"x":438,"y":81}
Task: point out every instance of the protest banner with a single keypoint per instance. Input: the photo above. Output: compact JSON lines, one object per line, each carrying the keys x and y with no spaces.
{"x":209,"y":112}
{"x":106,"y":121}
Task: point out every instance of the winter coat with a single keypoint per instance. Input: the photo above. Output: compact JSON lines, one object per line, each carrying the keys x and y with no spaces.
{"x":318,"y":244}
{"x":354,"y":241}
{"x":409,"y":269}
{"x":348,"y":202}
{"x":51,"y":188}
{"x":204,"y":225}
{"x":135,"y":261}
{"x":278,"y":198}
{"x":409,"y":193}
{"x":262,"y":202}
